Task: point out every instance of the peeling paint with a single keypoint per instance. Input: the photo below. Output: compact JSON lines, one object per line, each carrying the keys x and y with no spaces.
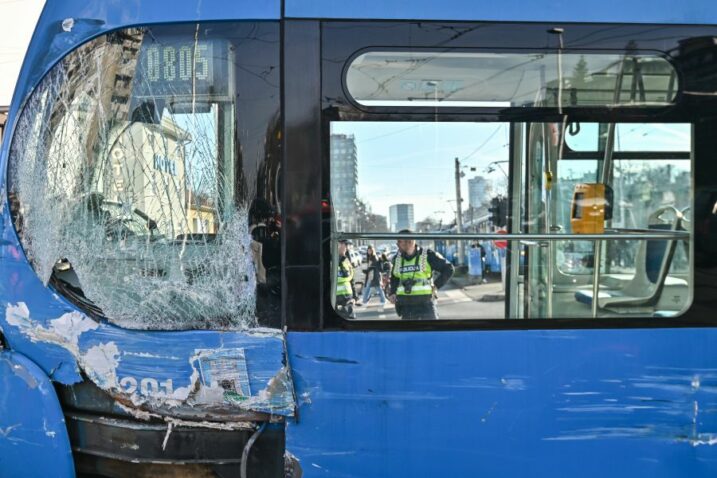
{"x":100,"y":362}
{"x":166,"y":436}
{"x":27,"y":377}
{"x":5,"y":432}
{"x":146,"y":416}
{"x":48,"y":433}
{"x":64,"y":331}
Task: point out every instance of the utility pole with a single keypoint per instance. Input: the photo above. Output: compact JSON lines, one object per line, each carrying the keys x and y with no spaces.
{"x":459,"y":213}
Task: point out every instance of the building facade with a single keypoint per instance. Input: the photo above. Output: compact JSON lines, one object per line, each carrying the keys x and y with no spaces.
{"x":400,"y":216}
{"x":477,"y":192}
{"x":344,"y":180}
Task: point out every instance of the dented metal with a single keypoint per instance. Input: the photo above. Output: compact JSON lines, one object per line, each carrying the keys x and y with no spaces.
{"x":121,"y":364}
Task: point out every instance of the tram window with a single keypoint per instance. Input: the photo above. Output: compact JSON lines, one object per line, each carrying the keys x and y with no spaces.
{"x":134,"y":203}
{"x":520,"y":79}
{"x":637,"y":137}
{"x":389,"y":176}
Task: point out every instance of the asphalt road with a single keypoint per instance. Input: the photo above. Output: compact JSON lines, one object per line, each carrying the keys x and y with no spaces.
{"x":453,"y":303}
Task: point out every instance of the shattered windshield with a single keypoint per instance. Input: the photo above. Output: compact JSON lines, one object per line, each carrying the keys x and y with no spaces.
{"x":134,"y":184}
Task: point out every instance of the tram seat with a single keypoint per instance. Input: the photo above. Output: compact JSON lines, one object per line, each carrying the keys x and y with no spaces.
{"x":646,"y":286}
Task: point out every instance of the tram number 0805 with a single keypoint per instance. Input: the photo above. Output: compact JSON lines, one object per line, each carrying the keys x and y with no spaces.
{"x":176,"y":63}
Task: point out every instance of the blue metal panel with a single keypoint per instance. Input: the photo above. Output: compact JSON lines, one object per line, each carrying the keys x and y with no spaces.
{"x":591,"y":403}
{"x":33,"y":436}
{"x":614,"y":11}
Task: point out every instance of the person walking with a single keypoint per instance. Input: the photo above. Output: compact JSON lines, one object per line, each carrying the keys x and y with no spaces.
{"x":374,"y":273}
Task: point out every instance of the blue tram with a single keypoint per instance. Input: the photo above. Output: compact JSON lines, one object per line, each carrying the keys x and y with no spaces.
{"x":176,"y":178}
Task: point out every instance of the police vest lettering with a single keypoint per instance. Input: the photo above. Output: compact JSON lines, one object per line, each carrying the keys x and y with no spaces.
{"x":415,"y":275}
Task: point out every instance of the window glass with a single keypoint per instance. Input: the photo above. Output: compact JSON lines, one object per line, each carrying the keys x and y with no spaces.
{"x":125,"y":166}
{"x":398,"y":176}
{"x":519,"y":79}
{"x":629,"y":137}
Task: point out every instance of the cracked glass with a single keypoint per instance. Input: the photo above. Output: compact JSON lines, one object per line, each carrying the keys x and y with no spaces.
{"x":136,"y":195}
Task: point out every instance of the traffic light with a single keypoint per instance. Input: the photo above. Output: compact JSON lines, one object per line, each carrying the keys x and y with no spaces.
{"x":502,"y":212}
{"x":494,"y":210}
{"x":499,"y":211}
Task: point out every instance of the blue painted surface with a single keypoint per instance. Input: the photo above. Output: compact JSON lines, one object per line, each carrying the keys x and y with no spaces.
{"x":590,"y":403}
{"x":33,"y":437}
{"x":619,"y":11}
{"x":509,"y":403}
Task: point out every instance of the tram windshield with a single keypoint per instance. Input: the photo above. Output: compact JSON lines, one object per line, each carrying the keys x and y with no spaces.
{"x":125,"y":167}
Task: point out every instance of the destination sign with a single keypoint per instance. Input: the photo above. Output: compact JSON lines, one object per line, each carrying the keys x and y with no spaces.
{"x":181,"y":67}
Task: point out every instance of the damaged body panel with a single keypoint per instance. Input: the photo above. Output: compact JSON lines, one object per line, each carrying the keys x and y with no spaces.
{"x":132,"y":203}
{"x":129,"y":194}
{"x":31,"y":422}
{"x":169,"y":216}
{"x":194,"y":374}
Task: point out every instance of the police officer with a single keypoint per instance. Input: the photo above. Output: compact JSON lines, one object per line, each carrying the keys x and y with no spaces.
{"x":412,"y":287}
{"x":345,"y":282}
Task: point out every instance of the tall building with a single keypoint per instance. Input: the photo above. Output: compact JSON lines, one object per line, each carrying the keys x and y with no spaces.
{"x":477,"y":192}
{"x":400,"y":216}
{"x":344,"y":180}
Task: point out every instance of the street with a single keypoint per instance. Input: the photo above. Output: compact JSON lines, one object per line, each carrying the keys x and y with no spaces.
{"x":454,"y":302}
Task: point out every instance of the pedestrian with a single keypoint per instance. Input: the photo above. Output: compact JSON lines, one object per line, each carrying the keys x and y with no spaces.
{"x":385,"y":273}
{"x":413,"y":286}
{"x":372,"y":282}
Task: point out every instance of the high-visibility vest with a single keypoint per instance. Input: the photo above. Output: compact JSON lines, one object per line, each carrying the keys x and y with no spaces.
{"x":344,"y":278}
{"x":417,"y":269}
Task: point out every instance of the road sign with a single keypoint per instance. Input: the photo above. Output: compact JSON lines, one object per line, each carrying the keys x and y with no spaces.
{"x":501,"y":244}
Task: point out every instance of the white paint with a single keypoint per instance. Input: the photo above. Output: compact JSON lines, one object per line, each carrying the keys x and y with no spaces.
{"x":148,"y":355}
{"x":704,"y":439}
{"x":48,"y":433}
{"x":100,"y":363}
{"x":68,"y":24}
{"x":6,"y":431}
{"x":18,"y":315}
{"x":64,"y":331}
{"x":166,"y":436}
{"x":72,"y":325}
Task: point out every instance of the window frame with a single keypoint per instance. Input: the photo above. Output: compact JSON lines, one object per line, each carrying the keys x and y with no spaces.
{"x":338,"y":106}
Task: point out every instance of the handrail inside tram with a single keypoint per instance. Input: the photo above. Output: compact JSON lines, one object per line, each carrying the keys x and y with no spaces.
{"x":637,"y":234}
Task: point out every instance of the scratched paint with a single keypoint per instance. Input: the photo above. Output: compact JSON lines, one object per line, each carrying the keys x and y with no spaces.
{"x":505,"y":403}
{"x":209,"y":286}
{"x":168,"y":382}
{"x":31,"y":422}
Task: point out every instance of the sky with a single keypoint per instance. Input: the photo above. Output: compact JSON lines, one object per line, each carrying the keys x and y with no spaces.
{"x":404,"y":162}
{"x":421,"y":158}
{"x":17,"y":22}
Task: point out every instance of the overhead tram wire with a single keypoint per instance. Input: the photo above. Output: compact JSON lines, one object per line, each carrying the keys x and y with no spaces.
{"x":484,"y":143}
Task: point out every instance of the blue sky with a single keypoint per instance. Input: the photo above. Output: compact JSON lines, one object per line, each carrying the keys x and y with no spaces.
{"x":412,"y":162}
{"x":420,"y":158}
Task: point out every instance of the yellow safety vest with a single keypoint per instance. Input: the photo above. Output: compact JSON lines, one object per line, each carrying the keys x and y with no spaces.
{"x":417,"y":269}
{"x":344,"y":278}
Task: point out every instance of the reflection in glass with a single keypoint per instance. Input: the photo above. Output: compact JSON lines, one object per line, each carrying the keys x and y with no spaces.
{"x":518,"y":79}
